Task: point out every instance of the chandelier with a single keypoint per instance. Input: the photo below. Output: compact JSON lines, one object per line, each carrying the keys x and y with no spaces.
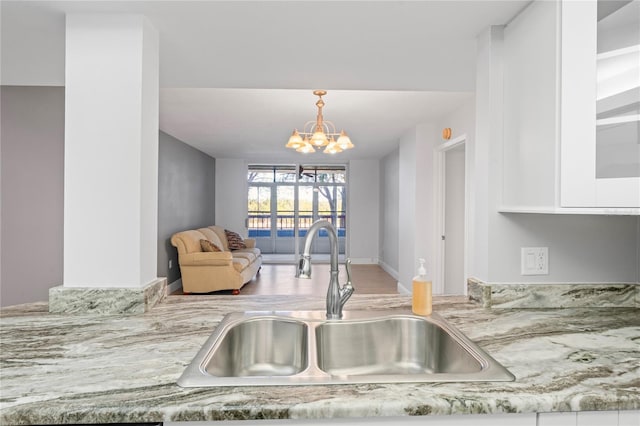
{"x":319,"y":133}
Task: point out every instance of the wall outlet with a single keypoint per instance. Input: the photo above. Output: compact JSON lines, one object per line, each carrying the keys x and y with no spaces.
{"x":534,"y":261}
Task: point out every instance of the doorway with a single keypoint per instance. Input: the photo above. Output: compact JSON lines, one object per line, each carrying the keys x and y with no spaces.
{"x":451,"y":217}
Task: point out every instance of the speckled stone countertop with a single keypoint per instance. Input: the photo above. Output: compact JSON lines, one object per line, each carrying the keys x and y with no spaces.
{"x":123,"y":369}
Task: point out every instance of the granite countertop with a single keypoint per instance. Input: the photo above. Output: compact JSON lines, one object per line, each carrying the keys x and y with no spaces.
{"x":123,"y":369}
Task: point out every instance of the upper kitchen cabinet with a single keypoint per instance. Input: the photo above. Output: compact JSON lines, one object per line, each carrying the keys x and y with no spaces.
{"x":571,"y":73}
{"x":600,"y":101}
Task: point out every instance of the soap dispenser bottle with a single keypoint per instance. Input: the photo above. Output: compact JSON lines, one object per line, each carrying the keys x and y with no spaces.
{"x":422,"y":297}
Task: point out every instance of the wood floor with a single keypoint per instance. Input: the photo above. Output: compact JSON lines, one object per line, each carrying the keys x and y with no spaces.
{"x":275,"y":279}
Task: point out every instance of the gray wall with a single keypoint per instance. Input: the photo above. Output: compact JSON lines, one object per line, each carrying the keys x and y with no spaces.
{"x":186,"y":197}
{"x":32,"y":192}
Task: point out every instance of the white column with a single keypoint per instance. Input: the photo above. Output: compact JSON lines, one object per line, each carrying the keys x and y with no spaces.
{"x":487,"y":153}
{"x":111,"y":151}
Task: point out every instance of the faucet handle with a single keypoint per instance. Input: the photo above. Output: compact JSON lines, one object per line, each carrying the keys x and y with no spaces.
{"x":347,"y":267}
{"x":347,"y":290}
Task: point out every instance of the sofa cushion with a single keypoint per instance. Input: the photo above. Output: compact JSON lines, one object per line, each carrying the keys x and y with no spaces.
{"x":187,"y":241}
{"x":207,"y":246}
{"x":219,"y":231}
{"x":237,"y":254}
{"x":255,"y":251}
{"x":234,"y":240}
{"x":213,"y":237}
{"x":240,"y":264}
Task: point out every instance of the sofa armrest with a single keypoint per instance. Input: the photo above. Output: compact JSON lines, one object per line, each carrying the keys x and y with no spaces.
{"x":221,"y":258}
{"x":250,"y":242}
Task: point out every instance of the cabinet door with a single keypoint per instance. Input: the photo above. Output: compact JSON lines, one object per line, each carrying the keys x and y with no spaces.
{"x":528,"y":419}
{"x":597,"y":418}
{"x":557,"y":419}
{"x":593,"y":174}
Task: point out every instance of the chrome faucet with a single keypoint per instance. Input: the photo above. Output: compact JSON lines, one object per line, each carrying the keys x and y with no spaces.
{"x":336,"y":296}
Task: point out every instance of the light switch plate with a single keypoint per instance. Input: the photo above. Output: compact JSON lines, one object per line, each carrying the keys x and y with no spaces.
{"x":534,"y":261}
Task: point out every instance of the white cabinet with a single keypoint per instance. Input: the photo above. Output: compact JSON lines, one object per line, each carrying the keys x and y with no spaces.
{"x":600,"y":150}
{"x":566,"y":148}
{"x":590,"y":418}
{"x":581,"y":418}
{"x":528,"y":419}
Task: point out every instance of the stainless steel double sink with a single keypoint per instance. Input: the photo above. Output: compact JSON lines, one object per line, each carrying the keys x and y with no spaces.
{"x":304,"y":348}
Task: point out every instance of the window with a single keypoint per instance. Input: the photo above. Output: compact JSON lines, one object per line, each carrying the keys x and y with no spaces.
{"x":283,"y":201}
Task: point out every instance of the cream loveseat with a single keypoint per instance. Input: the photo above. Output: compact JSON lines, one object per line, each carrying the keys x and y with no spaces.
{"x":203,"y":272}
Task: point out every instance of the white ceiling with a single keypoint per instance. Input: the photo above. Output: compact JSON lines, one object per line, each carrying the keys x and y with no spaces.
{"x":260,"y":121}
{"x":236,"y":76}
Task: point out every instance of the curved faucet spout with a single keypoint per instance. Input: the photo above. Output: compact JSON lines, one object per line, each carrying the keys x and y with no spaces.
{"x":336,"y":296}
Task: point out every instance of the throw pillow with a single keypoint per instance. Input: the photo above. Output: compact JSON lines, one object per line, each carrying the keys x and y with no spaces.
{"x":207,"y":245}
{"x":235,"y":240}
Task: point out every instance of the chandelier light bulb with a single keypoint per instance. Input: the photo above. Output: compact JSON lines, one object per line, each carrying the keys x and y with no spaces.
{"x":332,"y":148}
{"x":306,"y":148}
{"x":319,"y":138}
{"x":343,"y":141}
{"x":295,"y":141}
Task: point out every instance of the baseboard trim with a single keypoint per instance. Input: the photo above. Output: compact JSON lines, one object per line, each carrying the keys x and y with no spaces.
{"x":364,"y":261}
{"x":174,"y":286}
{"x":389,"y":270}
{"x":403,"y":290}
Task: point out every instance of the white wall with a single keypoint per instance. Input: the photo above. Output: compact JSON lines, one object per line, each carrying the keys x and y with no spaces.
{"x":582,"y":248}
{"x":389,"y":212}
{"x":415,"y":201}
{"x":231,"y":194}
{"x":529,"y":108}
{"x":424,"y":194}
{"x":407,"y":213}
{"x":425,"y":230}
{"x":149,"y":148}
{"x":406,"y":205}
{"x":486,"y":151}
{"x":455,"y":281}
{"x":462,"y":121}
{"x":363,"y":210}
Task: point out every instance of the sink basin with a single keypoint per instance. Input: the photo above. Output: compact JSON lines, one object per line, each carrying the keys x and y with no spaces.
{"x":394,"y":346}
{"x":304,"y":348}
{"x":260,"y":347}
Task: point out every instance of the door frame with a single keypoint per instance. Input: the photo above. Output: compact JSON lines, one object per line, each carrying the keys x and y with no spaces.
{"x":439,"y":170}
